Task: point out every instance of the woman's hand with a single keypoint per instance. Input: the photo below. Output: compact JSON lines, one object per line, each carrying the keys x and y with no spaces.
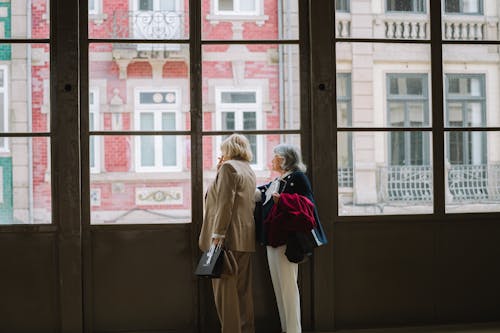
{"x":217,"y":241}
{"x":276,"y":197}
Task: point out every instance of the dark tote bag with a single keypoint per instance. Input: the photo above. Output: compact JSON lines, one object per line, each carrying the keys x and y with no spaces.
{"x":211,"y":262}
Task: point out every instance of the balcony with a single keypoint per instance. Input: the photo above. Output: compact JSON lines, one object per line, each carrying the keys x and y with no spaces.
{"x":417,"y":26}
{"x":152,"y":25}
{"x":413,"y":185}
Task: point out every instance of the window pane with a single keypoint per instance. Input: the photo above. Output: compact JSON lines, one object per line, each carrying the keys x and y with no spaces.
{"x":15,"y":16}
{"x":228,"y":121}
{"x":247,"y":5}
{"x":262,"y":79}
{"x":168,"y":5}
{"x":24,"y":88}
{"x":169,"y":150}
{"x":141,"y":19}
{"x":145,"y":4}
{"x":124,"y":193}
{"x":168,"y":121}
{"x":384,"y":173}
{"x":25,"y":182}
{"x":238,"y":97}
{"x":147,"y":151}
{"x":226,"y":5}
{"x":147,"y":122}
{"x":249,"y":20}
{"x":472,"y":172}
{"x":263,"y":154}
{"x":136,"y":81}
{"x":390,"y":84}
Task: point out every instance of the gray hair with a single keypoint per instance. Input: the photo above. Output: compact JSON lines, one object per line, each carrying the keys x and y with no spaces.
{"x":292,"y":159}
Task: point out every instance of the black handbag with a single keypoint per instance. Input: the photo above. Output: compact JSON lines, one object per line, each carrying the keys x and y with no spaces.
{"x":211,"y":262}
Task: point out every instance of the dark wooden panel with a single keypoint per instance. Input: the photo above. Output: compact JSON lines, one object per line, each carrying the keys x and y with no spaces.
{"x":143,"y":280}
{"x":384,"y":274}
{"x":469,"y":271}
{"x":28,"y":283}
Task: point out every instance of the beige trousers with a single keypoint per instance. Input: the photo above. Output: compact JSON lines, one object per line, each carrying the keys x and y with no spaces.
{"x":284,"y":276}
{"x":233,"y":297}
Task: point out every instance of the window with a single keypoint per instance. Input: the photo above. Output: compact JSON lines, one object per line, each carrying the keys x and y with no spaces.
{"x":237,"y":7}
{"x":464,"y":6}
{"x":407,"y":104}
{"x":94,"y":6}
{"x":344,"y":119}
{"x":94,"y":145}
{"x":157,"y":111}
{"x":342,"y":5}
{"x":416,"y":6}
{"x":4,"y":114}
{"x":241,"y":110}
{"x":465,"y":107}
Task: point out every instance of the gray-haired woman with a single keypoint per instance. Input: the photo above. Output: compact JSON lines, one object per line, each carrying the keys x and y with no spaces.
{"x":287,"y":162}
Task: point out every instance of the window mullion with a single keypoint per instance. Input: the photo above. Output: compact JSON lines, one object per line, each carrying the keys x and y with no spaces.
{"x":438,"y":160}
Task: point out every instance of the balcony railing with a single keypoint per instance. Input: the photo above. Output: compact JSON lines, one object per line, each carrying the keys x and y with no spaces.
{"x":466,"y":183}
{"x":405,"y":184}
{"x":455,"y":27}
{"x":345,"y":177}
{"x":474,"y":182}
{"x":147,"y":24}
{"x":343,"y":25}
{"x":465,"y":28}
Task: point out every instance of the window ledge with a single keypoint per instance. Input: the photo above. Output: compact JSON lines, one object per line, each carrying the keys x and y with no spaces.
{"x":258,"y":19}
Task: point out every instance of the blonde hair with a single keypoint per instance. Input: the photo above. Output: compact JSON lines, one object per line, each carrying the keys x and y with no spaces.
{"x":236,"y":147}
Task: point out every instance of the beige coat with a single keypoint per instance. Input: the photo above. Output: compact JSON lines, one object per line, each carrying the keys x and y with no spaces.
{"x":229,"y":206}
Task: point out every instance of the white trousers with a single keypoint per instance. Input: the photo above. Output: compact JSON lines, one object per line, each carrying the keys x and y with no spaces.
{"x":284,"y":276}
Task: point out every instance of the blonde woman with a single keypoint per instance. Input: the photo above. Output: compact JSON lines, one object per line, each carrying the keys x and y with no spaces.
{"x":229,"y":206}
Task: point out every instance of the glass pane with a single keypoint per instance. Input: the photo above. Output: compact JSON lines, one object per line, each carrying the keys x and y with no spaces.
{"x":131,"y":80}
{"x":140,"y":19}
{"x":125,"y":192}
{"x":167,"y":5}
{"x":147,"y":151}
{"x":463,"y":6}
{"x":228,"y":121}
{"x":263,"y":154}
{"x":249,"y":20}
{"x":247,"y":5}
{"x":16,"y":16}
{"x":24,"y":88}
{"x":225,"y":4}
{"x":384,"y":85}
{"x":261,"y":79}
{"x":25,"y":181}
{"x":384,"y":173}
{"x":395,"y":19}
{"x":169,"y":151}
{"x":147,"y":122}
{"x":472,"y":93}
{"x":472,"y":172}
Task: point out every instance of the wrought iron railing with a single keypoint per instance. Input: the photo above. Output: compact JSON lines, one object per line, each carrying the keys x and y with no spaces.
{"x":147,"y":24}
{"x":405,"y":184}
{"x":474,"y":182}
{"x":345,"y":177}
{"x":466,"y":183}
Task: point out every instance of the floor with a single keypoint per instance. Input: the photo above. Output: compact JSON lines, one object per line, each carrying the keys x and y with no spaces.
{"x":480,"y":328}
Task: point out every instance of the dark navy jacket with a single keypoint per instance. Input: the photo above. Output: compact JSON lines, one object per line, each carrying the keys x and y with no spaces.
{"x":296,"y":182}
